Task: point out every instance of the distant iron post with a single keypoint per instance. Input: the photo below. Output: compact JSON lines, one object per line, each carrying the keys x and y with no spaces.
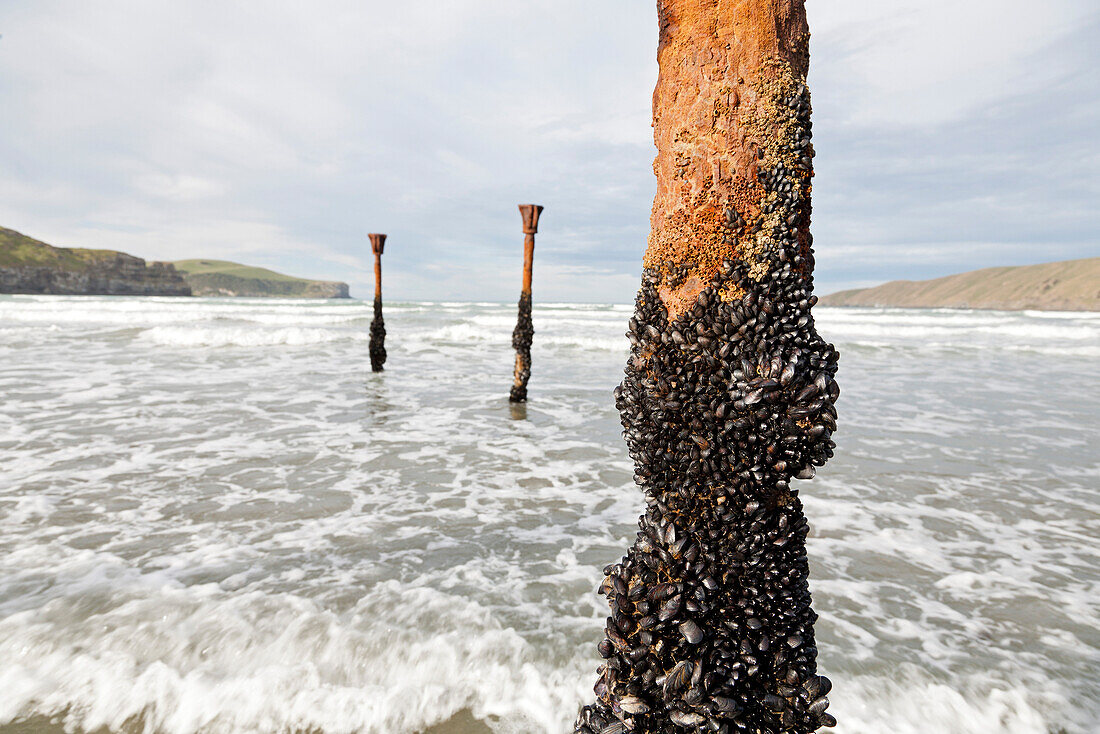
{"x":525,"y":329}
{"x":728,"y":394}
{"x":377,"y":326}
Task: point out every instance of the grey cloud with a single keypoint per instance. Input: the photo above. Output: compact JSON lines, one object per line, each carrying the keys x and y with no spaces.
{"x":280,"y":135}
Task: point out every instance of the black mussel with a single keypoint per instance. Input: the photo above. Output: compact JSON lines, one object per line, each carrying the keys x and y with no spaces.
{"x":686,"y":719}
{"x":691,"y":632}
{"x":633,"y":705}
{"x":677,"y":678}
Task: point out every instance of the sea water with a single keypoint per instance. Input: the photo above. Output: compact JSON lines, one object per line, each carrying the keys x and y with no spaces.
{"x":215,"y":518}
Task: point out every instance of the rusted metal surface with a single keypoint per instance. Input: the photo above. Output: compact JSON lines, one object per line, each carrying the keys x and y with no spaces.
{"x":728,"y":394}
{"x":524,"y":332}
{"x":720,"y":118}
{"x":377,"y":325}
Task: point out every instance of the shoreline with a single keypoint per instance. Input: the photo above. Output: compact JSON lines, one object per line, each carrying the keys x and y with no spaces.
{"x":462,"y":722}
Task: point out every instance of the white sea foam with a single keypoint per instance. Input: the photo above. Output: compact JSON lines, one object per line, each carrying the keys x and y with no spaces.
{"x":261,"y":663}
{"x":254,"y":662}
{"x":913,"y":704}
{"x":295,"y":336}
{"x":962,"y":329}
{"x":149,"y":311}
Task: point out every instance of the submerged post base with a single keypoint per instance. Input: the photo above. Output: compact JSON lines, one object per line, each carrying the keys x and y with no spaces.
{"x":711,"y":626}
{"x":522,"y":337}
{"x":377,"y":338}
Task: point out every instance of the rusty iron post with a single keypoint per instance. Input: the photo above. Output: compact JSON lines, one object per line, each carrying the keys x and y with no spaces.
{"x":377,"y":326}
{"x":728,"y":394}
{"x":525,"y":330}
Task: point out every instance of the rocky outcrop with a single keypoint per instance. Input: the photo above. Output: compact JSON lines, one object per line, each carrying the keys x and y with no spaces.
{"x":29,"y":266}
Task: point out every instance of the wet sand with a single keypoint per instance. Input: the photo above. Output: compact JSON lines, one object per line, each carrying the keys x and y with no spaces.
{"x":461,"y":723}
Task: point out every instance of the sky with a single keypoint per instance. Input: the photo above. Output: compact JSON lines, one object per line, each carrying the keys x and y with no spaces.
{"x":949,"y":136}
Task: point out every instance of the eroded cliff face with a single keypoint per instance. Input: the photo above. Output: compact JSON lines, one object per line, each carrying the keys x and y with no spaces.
{"x":116,"y":275}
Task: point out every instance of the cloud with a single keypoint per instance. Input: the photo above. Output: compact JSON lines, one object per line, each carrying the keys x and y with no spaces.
{"x":280,"y":133}
{"x":933,"y":61}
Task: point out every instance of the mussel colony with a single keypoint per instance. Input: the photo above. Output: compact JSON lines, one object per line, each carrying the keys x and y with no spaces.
{"x":377,"y":337}
{"x":522,"y":336}
{"x":724,"y":403}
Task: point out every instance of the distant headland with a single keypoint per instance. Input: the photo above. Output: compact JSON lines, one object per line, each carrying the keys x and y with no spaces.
{"x":223,"y":278}
{"x":29,"y":266}
{"x":1069,"y":285}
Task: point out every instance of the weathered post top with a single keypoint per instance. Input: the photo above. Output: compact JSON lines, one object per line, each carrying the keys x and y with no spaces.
{"x":377,"y":242}
{"x":530,"y":213}
{"x":722,"y":113}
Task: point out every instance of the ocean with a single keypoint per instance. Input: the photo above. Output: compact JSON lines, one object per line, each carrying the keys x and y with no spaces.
{"x":215,"y":518}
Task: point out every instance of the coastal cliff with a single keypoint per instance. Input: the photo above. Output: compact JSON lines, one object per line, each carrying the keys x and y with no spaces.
{"x":29,"y":266}
{"x":1069,"y":285}
{"x":224,"y":278}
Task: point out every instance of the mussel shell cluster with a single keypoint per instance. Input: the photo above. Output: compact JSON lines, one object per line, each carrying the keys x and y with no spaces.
{"x":377,"y":338}
{"x":711,"y":625}
{"x":522,"y":336}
